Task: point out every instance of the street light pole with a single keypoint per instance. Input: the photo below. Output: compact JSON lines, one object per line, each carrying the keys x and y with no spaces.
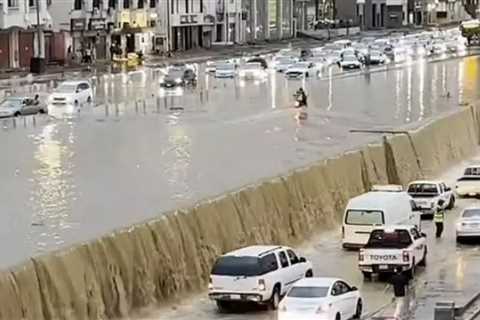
{"x":39,"y":32}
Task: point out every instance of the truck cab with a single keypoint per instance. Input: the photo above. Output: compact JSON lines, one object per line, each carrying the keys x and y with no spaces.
{"x":427,"y":194}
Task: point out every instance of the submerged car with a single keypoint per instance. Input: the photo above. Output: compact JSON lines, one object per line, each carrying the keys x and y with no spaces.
{"x":350,"y":62}
{"x":252,"y":70}
{"x":16,"y":106}
{"x":225,"y":70}
{"x":281,"y":64}
{"x":72,"y":92}
{"x":178,"y":76}
{"x":302,"y":69}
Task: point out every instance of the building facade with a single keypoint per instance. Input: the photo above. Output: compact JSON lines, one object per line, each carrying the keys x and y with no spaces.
{"x":18,"y":36}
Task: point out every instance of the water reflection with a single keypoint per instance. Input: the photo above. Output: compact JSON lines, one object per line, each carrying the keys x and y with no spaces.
{"x":52,"y":189}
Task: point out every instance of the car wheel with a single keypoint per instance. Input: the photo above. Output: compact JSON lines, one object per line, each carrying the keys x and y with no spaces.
{"x":275,"y":299}
{"x":309,"y":274}
{"x":411,"y":272}
{"x":223,"y":306}
{"x":367,"y":275}
{"x":359,"y":310}
{"x":451,"y":203}
{"x":338,"y":317}
{"x":423,"y":263}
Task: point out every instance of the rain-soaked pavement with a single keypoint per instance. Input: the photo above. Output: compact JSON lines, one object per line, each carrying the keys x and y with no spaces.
{"x":125,"y":161}
{"x":451,"y":273}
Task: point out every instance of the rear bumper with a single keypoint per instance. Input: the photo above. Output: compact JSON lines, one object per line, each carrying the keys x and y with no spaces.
{"x":468,"y":234}
{"x":467,"y":191}
{"x":238,"y":297}
{"x":352,"y":246}
{"x":382,"y":268}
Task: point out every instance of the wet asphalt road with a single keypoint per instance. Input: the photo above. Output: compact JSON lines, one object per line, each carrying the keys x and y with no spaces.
{"x":451,"y":273}
{"x":125,"y":161}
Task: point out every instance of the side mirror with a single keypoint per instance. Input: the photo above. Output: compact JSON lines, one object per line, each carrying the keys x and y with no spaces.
{"x":354,"y":289}
{"x":302,"y":260}
{"x":77,"y":91}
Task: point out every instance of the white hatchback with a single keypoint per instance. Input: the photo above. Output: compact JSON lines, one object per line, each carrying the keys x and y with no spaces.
{"x":72,"y":92}
{"x":321,"y":299}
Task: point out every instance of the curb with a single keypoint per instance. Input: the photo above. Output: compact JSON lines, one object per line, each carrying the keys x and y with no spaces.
{"x":459,"y":311}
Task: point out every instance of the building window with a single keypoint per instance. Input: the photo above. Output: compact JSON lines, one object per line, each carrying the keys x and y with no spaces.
{"x":112,"y":4}
{"x":171,"y":7}
{"x":96,"y":4}
{"x":201,"y":6}
{"x":77,"y":5}
{"x":186,"y":6}
{"x":12,"y":3}
{"x":31,"y":3}
{"x":126,"y":4}
{"x":140,"y":4}
{"x":153,"y":3}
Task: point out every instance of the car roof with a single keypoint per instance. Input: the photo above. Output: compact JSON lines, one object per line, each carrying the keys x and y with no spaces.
{"x":316,"y":282}
{"x":254,"y":251}
{"x":394,"y":227}
{"x":425,"y":182}
{"x":376,"y":200}
{"x":74,"y":82}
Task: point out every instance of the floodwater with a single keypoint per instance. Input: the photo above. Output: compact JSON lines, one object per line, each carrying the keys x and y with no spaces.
{"x":142,"y":150}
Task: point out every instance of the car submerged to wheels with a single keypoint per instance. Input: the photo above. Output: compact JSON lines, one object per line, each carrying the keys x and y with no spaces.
{"x":16,"y":106}
{"x":258,"y":274}
{"x":321,"y":299}
{"x":72,"y":92}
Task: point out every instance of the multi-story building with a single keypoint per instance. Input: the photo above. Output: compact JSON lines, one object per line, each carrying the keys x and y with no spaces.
{"x":18,"y":36}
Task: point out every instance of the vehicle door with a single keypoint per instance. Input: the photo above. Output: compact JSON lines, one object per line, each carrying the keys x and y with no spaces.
{"x":418,"y":244}
{"x":27,"y":107}
{"x":349,"y":297}
{"x":286,"y":274}
{"x":296,"y":266}
{"x":340,"y":299}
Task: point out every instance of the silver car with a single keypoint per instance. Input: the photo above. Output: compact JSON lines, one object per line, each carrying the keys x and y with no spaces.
{"x":16,"y":106}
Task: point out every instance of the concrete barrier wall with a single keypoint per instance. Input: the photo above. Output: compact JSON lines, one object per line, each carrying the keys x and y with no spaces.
{"x":159,"y":260}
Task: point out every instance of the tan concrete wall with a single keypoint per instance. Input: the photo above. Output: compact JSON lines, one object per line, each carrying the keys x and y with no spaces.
{"x":149,"y":263}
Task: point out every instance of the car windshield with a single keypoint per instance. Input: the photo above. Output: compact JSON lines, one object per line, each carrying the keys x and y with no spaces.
{"x":301,"y":65}
{"x":472,"y":171}
{"x":308,"y":292}
{"x":423,"y":188}
{"x":225,"y":66}
{"x":396,"y":239}
{"x":284,"y":60}
{"x":10,"y":102}
{"x":252,"y":66}
{"x":471,"y":213}
{"x":67,"y":88}
{"x":175,"y":73}
{"x":364,"y":217}
{"x":349,"y":58}
{"x":237,"y":266}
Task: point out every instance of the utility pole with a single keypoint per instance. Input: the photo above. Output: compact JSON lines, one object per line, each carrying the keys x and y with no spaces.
{"x":317,"y":7}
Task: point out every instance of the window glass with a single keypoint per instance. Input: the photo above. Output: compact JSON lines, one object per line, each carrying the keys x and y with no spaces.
{"x":364,"y":217}
{"x":293,"y":257}
{"x":269,"y":263}
{"x":308,"y":292}
{"x":283,"y":259}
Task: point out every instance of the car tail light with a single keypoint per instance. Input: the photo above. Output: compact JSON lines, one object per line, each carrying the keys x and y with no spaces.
{"x":343,"y":232}
{"x":261,"y":285}
{"x":406,"y":256}
{"x":210,"y":283}
{"x":361,"y":256}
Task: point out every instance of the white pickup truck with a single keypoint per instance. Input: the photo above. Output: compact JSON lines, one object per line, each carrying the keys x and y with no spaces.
{"x":393,"y":247}
{"x":426,"y":195}
{"x":469,"y":183}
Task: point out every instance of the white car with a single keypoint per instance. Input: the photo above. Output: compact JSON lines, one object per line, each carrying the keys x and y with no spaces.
{"x":281,"y":64}
{"x":259,"y":274}
{"x":392,"y":247}
{"x":377,"y":57}
{"x":426,"y":195}
{"x":225,"y":70}
{"x":439,"y":48}
{"x":469,"y":183}
{"x":252,"y":70}
{"x":350,"y":62}
{"x":72,"y":93}
{"x":210,"y":66}
{"x":321,"y":299}
{"x":303,"y":69}
{"x":468,"y":225}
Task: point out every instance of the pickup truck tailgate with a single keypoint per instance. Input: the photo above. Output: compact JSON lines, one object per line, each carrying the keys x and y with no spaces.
{"x":382,"y":256}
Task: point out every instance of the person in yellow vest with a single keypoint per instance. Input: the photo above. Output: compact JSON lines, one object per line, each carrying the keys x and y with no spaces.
{"x":439,"y":218}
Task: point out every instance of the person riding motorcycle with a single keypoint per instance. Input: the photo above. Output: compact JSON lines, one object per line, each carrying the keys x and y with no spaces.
{"x":301,"y":98}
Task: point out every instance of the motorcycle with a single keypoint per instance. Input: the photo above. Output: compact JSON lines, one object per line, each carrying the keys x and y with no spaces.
{"x":301,"y":105}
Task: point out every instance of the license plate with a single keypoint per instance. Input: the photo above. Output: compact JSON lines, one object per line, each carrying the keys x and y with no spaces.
{"x":383,"y":267}
{"x":235,"y":296}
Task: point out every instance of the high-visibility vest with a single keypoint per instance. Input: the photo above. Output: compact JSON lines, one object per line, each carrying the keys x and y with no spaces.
{"x":439,"y":216}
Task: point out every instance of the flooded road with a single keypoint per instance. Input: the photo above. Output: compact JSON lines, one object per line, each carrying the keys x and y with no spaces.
{"x":450,"y":275}
{"x":143,"y":150}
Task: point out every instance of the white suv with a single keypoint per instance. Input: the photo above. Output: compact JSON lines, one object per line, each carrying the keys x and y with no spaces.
{"x":260,"y":274}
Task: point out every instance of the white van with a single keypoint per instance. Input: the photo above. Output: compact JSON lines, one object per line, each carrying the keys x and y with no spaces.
{"x":373,"y":209}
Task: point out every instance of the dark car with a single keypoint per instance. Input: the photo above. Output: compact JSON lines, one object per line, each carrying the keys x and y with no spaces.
{"x":260,"y":60}
{"x":179,"y":76}
{"x":306,"y":53}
